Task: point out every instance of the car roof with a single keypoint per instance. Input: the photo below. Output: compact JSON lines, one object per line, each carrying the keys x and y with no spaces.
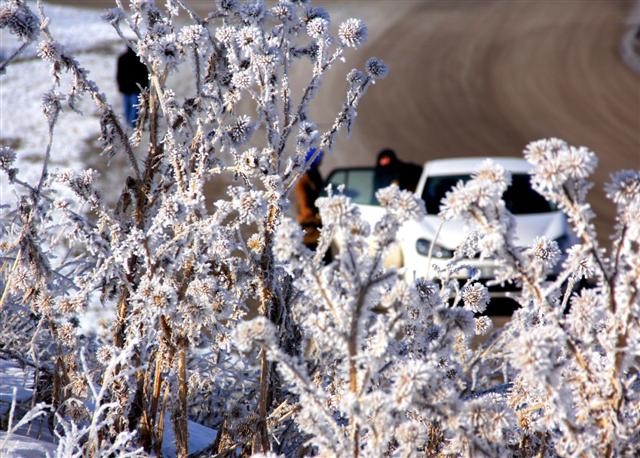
{"x":467,"y":165}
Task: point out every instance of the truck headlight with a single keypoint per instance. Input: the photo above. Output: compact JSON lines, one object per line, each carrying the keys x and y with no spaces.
{"x":423,"y":246}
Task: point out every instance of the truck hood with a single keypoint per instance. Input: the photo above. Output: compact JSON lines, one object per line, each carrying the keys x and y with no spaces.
{"x":453,"y":233}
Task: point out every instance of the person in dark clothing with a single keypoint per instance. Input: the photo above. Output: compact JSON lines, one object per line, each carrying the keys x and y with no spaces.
{"x":307,"y":190}
{"x":388,"y":169}
{"x":131,"y":75}
{"x":391,"y":170}
{"x":410,"y":176}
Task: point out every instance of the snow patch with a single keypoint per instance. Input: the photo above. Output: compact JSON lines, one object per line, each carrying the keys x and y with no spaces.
{"x":200,"y":437}
{"x":24,"y":447}
{"x":13,"y":377}
{"x":76,"y":29}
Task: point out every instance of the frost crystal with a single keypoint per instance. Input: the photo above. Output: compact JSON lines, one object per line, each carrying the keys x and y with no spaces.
{"x":282,"y":11}
{"x":410,"y":378}
{"x":240,"y":129}
{"x":545,"y":252}
{"x":7,"y":157}
{"x":624,"y":187}
{"x":538,"y":354}
{"x":242,"y":80}
{"x":483,"y":325}
{"x":288,"y":240}
{"x":579,"y":263}
{"x":400,"y":203}
{"x":51,"y":106}
{"x":225,"y":34}
{"x":20,"y":20}
{"x":476,"y":297}
{"x":355,"y":77}
{"x":578,"y":163}
{"x":192,"y":35}
{"x":376,"y":68}
{"x":317,"y":28}
{"x":249,"y":38}
{"x":258,"y":330}
{"x":352,"y":33}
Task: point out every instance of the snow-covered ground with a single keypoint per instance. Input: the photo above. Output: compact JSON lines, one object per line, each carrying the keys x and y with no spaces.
{"x":200,"y":438}
{"x":17,"y":445}
{"x":16,"y":386}
{"x":24,"y":127}
{"x":76,"y":29}
{"x":22,"y":124}
{"x":15,"y":381}
{"x":96,"y":46}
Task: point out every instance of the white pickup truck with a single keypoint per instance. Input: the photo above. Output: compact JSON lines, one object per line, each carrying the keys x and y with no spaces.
{"x":533,"y":214}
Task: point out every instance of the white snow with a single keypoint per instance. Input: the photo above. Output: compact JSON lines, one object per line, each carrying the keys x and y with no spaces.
{"x":14,"y":378}
{"x":76,"y":29}
{"x":200,"y":437}
{"x":96,"y":46}
{"x":22,"y":123}
{"x":16,"y":381}
{"x":24,"y":447}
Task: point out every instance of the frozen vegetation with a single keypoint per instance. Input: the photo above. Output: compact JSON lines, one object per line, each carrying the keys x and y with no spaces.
{"x":228,"y":335}
{"x":28,"y":77}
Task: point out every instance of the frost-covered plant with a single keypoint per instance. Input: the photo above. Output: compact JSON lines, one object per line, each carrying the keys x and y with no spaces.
{"x":382,"y":363}
{"x":223,"y":316}
{"x":388,"y":367}
{"x":179,"y":268}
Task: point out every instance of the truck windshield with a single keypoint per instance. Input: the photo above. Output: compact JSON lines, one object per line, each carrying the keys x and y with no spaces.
{"x":360,"y":183}
{"x":519,"y":198}
{"x":357,"y":182}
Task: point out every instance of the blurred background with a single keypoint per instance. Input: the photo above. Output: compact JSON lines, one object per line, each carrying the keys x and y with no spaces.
{"x":467,"y":78}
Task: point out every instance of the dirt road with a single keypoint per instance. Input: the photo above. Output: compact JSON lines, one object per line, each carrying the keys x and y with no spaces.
{"x":486,"y":77}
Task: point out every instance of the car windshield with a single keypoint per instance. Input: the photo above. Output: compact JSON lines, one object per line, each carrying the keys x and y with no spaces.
{"x":519,"y":198}
{"x":358,"y":184}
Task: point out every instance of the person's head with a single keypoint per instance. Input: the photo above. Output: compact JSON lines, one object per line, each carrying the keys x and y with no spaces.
{"x":316,"y":161}
{"x":386,"y":157}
